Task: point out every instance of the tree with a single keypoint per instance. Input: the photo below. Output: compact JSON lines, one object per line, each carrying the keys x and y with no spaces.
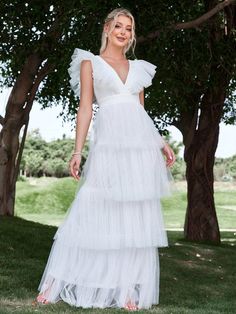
{"x":194,"y":92}
{"x":35,"y":37}
{"x":193,"y":46}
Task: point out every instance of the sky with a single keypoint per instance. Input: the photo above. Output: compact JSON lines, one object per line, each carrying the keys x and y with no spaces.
{"x":51,"y":127}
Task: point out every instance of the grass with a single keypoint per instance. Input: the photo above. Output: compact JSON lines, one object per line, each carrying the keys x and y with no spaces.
{"x":195,"y":278}
{"x":46,"y":200}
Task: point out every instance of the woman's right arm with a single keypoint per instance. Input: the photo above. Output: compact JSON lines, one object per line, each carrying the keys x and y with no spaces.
{"x":84,"y":114}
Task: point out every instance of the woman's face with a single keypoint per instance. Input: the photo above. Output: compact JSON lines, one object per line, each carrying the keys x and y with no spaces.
{"x":122,"y":31}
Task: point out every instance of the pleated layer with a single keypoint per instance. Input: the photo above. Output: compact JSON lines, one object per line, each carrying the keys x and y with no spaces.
{"x":125,"y":162}
{"x":118,"y":205}
{"x":95,"y":223}
{"x":122,"y":120}
{"x":92,"y":278}
{"x":127,"y":174}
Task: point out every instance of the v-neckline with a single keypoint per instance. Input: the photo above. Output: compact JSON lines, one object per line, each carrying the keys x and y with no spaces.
{"x":117,"y":75}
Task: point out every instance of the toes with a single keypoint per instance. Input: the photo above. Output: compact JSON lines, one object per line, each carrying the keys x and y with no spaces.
{"x":131,"y":307}
{"x":41,"y":299}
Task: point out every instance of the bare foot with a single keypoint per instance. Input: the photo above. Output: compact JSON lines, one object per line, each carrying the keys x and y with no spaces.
{"x":130,"y":306}
{"x":40,"y":300}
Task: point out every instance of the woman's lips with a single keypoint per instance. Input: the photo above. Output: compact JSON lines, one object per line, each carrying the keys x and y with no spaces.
{"x":121,"y":39}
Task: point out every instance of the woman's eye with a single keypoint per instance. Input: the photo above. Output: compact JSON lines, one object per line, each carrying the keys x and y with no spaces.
{"x":127,"y":29}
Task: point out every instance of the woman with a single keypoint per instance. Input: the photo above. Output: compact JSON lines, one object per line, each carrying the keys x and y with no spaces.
{"x":105,"y":252}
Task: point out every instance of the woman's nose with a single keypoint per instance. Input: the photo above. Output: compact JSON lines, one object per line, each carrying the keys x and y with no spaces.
{"x":122,"y":30}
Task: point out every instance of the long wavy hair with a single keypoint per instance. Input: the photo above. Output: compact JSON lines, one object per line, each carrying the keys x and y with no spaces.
{"x":111,"y":18}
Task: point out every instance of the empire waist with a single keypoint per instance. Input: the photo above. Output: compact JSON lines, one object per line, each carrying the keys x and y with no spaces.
{"x":118,"y":99}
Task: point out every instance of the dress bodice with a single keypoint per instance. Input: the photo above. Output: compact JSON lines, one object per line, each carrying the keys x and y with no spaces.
{"x":106,"y":81}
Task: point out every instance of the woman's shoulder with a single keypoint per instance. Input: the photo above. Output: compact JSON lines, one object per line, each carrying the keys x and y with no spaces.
{"x":82,"y":54}
{"x":79,"y":55}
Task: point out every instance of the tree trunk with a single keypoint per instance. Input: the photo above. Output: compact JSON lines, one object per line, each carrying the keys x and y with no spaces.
{"x":17,"y":114}
{"x":201,"y":221}
{"x":200,"y":136}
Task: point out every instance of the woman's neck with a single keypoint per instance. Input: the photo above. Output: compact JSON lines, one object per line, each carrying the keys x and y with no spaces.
{"x":112,"y":52}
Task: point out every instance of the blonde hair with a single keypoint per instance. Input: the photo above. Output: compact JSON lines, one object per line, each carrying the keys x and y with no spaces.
{"x":111,"y":18}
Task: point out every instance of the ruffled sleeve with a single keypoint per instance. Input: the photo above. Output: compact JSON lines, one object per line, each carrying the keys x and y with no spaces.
{"x":74,"y":69}
{"x":149,"y":70}
{"x":144,"y":73}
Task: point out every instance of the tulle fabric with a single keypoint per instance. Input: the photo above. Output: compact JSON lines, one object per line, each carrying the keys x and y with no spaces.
{"x":125,"y":161}
{"x":95,"y":278}
{"x":112,"y":225}
{"x":145,"y":72}
{"x":105,"y":253}
{"x":74,"y":69}
{"x":106,"y":80}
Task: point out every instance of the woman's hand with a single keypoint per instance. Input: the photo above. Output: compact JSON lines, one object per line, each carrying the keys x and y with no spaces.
{"x":169,"y":154}
{"x":74,"y":166}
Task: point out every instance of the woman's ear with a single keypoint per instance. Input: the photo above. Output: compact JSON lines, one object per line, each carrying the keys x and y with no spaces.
{"x":106,"y":28}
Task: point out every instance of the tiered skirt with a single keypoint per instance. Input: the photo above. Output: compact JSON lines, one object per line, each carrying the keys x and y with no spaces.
{"x":105,"y":253}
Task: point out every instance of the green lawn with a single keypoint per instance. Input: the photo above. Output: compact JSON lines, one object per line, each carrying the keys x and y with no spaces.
{"x":195,"y":278}
{"x":46,"y":200}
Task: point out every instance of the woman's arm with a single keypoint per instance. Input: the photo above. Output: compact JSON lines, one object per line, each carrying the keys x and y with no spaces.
{"x":166,"y":149}
{"x":85,"y":110}
{"x":141,"y":98}
{"x":84,"y":114}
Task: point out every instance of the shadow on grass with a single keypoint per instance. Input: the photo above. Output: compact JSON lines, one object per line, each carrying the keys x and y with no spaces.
{"x":195,"y":278}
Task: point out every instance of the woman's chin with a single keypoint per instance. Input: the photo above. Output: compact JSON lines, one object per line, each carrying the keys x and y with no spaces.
{"x":120,"y":44}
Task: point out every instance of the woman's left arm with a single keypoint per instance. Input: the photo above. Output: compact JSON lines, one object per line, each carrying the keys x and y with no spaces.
{"x":166,"y":149}
{"x":169,"y":154}
{"x":141,"y":98}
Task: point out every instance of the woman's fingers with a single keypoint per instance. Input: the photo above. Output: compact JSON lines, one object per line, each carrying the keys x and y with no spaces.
{"x":76,"y":173}
{"x":74,"y":168}
{"x":173,"y":159}
{"x":170,"y":156}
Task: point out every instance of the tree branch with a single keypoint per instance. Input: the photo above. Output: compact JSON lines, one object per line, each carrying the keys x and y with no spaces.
{"x":49,"y":41}
{"x":204,"y":17}
{"x":43,"y":72}
{"x":1,"y":120}
{"x":19,"y":156}
{"x":191,"y":24}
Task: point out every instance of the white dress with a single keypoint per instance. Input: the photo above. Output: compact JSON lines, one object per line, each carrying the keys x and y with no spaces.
{"x":106,"y":250}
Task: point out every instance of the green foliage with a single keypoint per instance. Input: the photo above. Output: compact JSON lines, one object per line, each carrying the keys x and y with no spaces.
{"x":21,"y":179}
{"x":184,"y":58}
{"x":178,"y":169}
{"x":225,"y":169}
{"x":47,"y":159}
{"x":41,"y":158}
{"x":45,"y":195}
